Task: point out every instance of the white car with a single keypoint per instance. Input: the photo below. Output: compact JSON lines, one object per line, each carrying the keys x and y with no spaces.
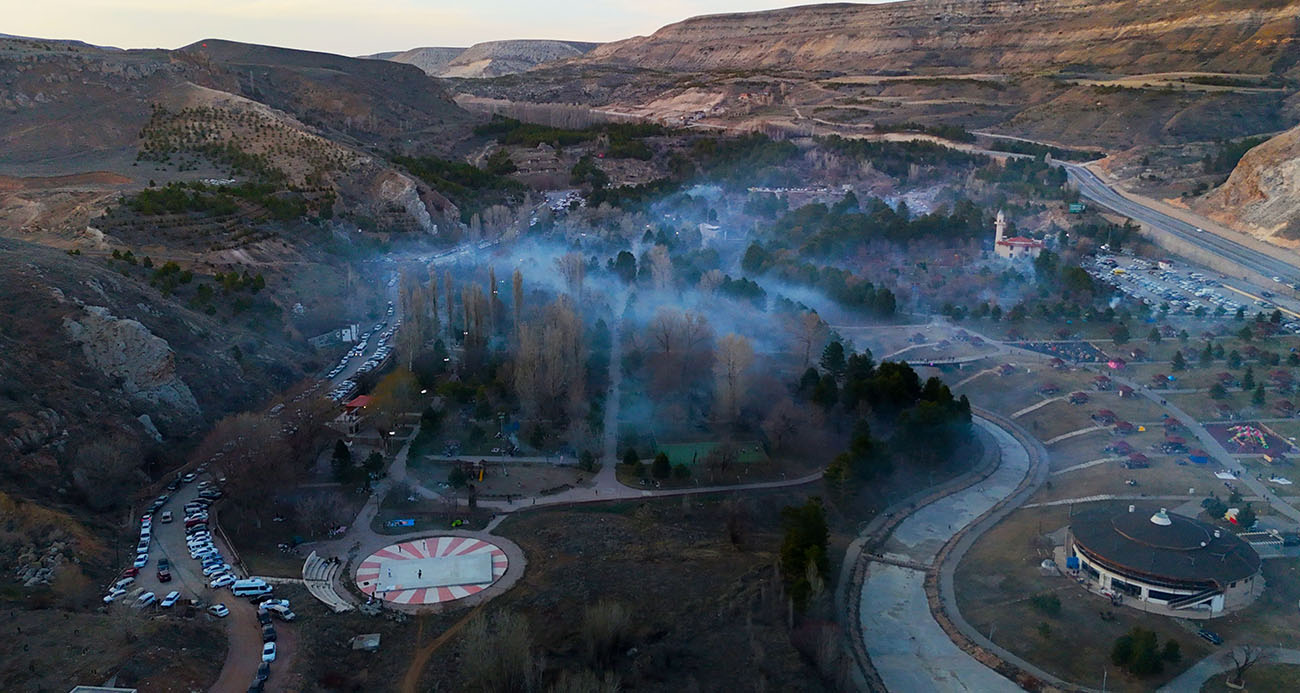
{"x":216,"y":569}
{"x":113,"y":595}
{"x":141,"y":560}
{"x":145,"y":600}
{"x":170,"y":600}
{"x":222,"y":580}
{"x":219,"y":610}
{"x":124,"y":583}
{"x":268,"y":652}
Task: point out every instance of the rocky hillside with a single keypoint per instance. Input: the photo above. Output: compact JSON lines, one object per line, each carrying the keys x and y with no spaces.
{"x":1132,"y":36}
{"x":317,"y":121}
{"x":432,"y":59}
{"x":488,"y":59}
{"x":1262,"y":196}
{"x":97,"y":354}
{"x":497,"y":58}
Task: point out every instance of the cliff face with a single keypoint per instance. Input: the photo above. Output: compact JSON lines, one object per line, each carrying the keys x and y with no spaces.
{"x":1132,"y":36}
{"x":1262,"y":196}
{"x":142,"y":362}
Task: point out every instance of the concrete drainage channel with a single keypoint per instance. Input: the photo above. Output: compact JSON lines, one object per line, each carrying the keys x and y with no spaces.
{"x":910,"y":591}
{"x":864,"y":550}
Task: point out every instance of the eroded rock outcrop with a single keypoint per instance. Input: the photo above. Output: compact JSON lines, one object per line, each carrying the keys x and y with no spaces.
{"x":143,"y":363}
{"x":1262,"y":196}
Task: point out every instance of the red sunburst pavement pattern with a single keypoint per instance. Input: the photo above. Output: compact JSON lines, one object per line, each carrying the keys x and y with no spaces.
{"x":432,"y":547}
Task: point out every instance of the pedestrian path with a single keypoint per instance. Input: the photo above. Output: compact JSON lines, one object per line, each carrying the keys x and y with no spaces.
{"x":1073,"y":434}
{"x":1085,"y":465}
{"x":1035,"y":407}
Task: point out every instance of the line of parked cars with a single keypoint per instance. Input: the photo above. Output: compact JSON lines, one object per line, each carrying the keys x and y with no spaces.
{"x":266,"y":608}
{"x":348,"y":387}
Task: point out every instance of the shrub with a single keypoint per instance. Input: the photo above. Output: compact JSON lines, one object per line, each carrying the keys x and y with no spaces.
{"x":606,"y":630}
{"x":661,"y":467}
{"x":1047,"y":603}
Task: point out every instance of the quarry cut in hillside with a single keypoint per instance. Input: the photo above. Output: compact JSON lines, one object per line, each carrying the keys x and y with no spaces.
{"x":1121,"y":35}
{"x":1262,"y":196}
{"x":488,"y":59}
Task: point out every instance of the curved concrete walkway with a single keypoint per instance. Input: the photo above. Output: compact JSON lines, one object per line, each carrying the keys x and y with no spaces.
{"x":1219,"y":662}
{"x":908,"y":648}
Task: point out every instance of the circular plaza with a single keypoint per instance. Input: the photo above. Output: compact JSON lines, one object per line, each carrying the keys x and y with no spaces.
{"x":433,"y":570}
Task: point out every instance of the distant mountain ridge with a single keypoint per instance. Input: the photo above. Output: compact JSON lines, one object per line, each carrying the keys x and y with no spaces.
{"x":488,"y":59}
{"x":1134,"y":36}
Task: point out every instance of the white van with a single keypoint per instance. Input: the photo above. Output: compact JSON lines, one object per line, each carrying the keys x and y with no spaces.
{"x":249,"y":591}
{"x":252,"y":587}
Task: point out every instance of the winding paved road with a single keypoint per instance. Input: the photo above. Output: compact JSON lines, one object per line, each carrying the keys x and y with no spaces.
{"x":1095,"y":189}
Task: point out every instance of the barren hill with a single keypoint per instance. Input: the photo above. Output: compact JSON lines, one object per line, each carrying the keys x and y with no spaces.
{"x":314,"y":117}
{"x":496,"y":58}
{"x":1019,"y":35}
{"x":1262,"y":196}
{"x":432,"y":59}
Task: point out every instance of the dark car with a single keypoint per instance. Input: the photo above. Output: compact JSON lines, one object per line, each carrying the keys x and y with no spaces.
{"x":263,"y":672}
{"x":268,"y":633}
{"x":164,"y":575}
{"x":1210,"y":636}
{"x":264,"y":618}
{"x":257,"y":687}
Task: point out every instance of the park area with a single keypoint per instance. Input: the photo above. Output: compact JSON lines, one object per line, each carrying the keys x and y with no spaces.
{"x":1049,"y":620}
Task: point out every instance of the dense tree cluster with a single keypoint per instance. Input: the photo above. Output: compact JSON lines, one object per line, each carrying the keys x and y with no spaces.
{"x":927,"y":422}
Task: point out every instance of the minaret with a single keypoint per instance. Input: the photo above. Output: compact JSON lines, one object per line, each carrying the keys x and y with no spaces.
{"x":1001,"y":226}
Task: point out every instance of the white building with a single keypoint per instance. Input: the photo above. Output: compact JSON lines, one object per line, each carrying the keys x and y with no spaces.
{"x":1166,"y":563}
{"x":1016,"y":247}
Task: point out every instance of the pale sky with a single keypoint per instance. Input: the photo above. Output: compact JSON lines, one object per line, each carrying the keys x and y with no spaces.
{"x":351,"y":27}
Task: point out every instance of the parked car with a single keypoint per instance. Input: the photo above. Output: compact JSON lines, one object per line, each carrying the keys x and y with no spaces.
{"x":1210,"y":635}
{"x":141,"y":560}
{"x":263,"y":672}
{"x":268,"y":652}
{"x":264,"y":618}
{"x":115,"y":594}
{"x":145,"y":600}
{"x":268,"y":633}
{"x":170,"y":600}
{"x":188,"y":477}
{"x":219,"y":610}
{"x":165,"y":517}
{"x":222,"y":580}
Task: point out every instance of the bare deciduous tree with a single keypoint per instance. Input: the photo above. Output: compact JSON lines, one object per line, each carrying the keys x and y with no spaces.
{"x":731,"y":363}
{"x":107,"y":472}
{"x":710,"y":281}
{"x":550,"y":361}
{"x":573,"y":268}
{"x":809,"y":332}
{"x":661,"y":267}
{"x":1243,"y":658}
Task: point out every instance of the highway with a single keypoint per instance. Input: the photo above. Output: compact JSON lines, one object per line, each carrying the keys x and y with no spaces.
{"x":1095,"y":189}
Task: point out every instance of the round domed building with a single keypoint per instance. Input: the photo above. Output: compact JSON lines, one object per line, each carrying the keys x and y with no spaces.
{"x":1172,"y":561}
